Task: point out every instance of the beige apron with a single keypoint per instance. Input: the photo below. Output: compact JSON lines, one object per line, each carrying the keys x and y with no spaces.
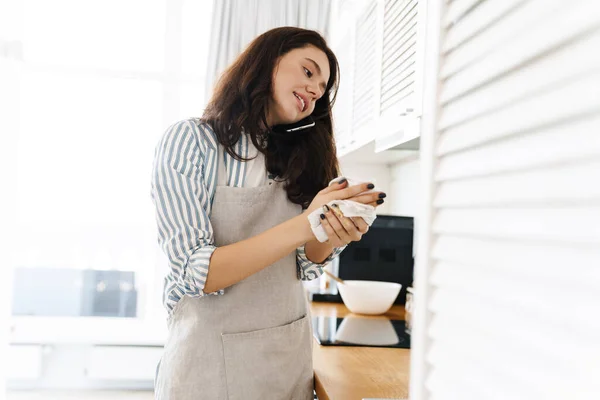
{"x":255,"y":341}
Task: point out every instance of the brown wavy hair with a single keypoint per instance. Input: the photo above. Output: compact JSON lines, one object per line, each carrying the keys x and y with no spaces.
{"x":306,"y":161}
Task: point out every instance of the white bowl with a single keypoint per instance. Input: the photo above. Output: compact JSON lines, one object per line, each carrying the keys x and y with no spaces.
{"x":369,"y":297}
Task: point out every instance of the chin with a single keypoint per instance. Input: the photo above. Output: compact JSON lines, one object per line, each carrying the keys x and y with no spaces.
{"x":289,"y":116}
{"x":297,"y":116}
{"x":290,"y":119}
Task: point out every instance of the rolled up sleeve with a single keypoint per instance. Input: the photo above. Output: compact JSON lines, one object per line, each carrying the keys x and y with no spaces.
{"x":308,"y":270}
{"x":182,"y":205}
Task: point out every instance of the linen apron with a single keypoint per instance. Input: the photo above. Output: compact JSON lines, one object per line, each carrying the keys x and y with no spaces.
{"x":255,"y":341}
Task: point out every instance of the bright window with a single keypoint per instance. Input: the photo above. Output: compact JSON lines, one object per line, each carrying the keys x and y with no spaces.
{"x":99,"y":83}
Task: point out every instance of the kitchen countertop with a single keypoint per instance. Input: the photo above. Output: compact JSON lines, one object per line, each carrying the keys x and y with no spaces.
{"x":349,"y":373}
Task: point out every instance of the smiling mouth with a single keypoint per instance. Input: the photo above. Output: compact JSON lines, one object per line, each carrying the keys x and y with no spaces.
{"x":301,"y":102}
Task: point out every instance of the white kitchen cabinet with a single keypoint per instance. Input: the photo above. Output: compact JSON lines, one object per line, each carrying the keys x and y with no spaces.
{"x":401,"y":66}
{"x":343,"y":46}
{"x":380,"y":45}
{"x":359,"y":28}
{"x":367,"y":55}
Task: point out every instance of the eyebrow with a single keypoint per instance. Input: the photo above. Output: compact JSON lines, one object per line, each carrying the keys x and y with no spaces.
{"x":323,"y":84}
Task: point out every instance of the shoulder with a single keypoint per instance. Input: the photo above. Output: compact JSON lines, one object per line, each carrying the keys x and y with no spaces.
{"x":191,"y":131}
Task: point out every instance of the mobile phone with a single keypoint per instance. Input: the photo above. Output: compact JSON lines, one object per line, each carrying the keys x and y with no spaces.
{"x":301,"y":125}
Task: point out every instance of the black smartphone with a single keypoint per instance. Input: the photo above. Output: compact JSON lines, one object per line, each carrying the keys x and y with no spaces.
{"x":305,"y":123}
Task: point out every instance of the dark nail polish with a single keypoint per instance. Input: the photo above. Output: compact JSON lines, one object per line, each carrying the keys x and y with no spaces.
{"x":334,"y":205}
{"x":326,"y":208}
{"x":370,"y":186}
{"x":380,"y":201}
{"x":341,"y":182}
{"x":382,"y":195}
{"x":322,"y":216}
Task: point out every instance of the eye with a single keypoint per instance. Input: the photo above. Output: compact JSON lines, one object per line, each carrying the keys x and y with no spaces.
{"x":307,"y":72}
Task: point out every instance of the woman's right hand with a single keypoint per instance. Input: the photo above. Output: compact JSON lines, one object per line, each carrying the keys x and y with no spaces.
{"x":341,"y":191}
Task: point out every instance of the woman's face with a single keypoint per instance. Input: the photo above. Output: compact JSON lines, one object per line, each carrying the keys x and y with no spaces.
{"x":299,"y":80}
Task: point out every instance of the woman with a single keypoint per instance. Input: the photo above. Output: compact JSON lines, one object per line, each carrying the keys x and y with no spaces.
{"x":232,"y":193}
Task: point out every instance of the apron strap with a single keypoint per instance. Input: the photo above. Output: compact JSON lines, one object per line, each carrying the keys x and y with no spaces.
{"x":221,"y":166}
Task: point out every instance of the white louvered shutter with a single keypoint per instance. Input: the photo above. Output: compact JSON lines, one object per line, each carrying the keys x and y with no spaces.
{"x":507,"y":302}
{"x":366,"y":91}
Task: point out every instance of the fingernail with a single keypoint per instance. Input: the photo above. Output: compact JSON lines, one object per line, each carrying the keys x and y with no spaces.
{"x":325,"y":208}
{"x":370,"y":186}
{"x":382,"y":195}
{"x":322,"y":216}
{"x":380,"y":201}
{"x":341,"y":182}
{"x":334,"y":205}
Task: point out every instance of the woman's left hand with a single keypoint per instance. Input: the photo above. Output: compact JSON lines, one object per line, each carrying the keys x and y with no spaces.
{"x":342,"y":230}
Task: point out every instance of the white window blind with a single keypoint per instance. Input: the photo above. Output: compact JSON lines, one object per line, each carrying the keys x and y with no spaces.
{"x":508,"y":260}
{"x":366,"y":58}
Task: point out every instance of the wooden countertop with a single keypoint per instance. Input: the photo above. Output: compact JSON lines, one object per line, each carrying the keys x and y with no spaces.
{"x":349,"y":373}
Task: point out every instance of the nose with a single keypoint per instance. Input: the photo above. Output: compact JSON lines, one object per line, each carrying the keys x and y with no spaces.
{"x":315,"y":91}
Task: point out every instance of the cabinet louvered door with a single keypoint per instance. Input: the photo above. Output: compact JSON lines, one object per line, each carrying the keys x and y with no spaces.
{"x":508,"y":262}
{"x":342,"y":110}
{"x":366,"y":75}
{"x":400,"y":20}
{"x":403,"y":48}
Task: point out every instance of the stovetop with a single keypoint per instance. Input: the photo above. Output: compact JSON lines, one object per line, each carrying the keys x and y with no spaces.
{"x":360,"y":331}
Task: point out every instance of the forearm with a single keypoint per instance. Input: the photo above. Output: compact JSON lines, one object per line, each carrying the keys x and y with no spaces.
{"x":317,"y":252}
{"x":232,"y":263}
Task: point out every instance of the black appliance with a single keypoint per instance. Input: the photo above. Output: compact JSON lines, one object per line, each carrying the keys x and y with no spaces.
{"x":385,"y":253}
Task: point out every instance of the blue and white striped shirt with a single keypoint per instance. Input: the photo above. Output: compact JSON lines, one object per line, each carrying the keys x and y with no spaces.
{"x":183,"y":188}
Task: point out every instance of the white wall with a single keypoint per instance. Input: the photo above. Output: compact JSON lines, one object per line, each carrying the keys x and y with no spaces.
{"x":401,"y":182}
{"x":378,"y":174}
{"x":404,"y":187}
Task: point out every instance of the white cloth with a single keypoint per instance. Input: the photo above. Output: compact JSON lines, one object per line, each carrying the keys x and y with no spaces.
{"x":348,"y":208}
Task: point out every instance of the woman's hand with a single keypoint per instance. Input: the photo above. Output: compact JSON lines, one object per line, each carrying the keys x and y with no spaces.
{"x":342,"y":230}
{"x":341,"y":191}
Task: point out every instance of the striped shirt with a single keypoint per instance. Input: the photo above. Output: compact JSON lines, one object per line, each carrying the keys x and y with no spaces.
{"x":184,"y":179}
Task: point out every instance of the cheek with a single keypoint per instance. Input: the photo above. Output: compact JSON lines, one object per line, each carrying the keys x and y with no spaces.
{"x":284,"y":85}
{"x":282,"y":95}
{"x":289,"y":78}
{"x":278,"y":87}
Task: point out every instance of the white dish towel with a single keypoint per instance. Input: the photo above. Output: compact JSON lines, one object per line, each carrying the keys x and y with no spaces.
{"x":348,"y":207}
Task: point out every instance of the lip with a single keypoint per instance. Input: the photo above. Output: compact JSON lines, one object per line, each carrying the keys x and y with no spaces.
{"x":305,"y":102}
